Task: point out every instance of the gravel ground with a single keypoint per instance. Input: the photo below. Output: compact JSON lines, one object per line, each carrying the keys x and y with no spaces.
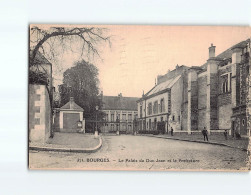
{"x":127,"y":152}
{"x":70,"y":140}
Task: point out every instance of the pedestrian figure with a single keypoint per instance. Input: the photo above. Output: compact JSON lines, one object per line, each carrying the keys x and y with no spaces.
{"x":225,"y":134}
{"x":237,"y":135}
{"x":204,"y":132}
{"x":171,"y":131}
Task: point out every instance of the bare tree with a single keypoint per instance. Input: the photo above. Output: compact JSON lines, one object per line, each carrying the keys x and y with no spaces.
{"x":88,"y":38}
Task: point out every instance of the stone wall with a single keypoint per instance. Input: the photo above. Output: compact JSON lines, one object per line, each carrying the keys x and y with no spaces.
{"x":176,"y":104}
{"x":184,"y":116}
{"x":184,"y":108}
{"x":213,"y":101}
{"x":39,"y":114}
{"x":225,"y":113}
{"x":202,"y":101}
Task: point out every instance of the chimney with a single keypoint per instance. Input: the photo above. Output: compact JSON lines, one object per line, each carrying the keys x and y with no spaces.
{"x":71,"y":102}
{"x":212,"y":51}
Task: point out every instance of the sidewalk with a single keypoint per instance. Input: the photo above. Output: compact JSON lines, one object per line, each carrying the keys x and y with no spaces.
{"x":216,"y":139}
{"x":69,"y":142}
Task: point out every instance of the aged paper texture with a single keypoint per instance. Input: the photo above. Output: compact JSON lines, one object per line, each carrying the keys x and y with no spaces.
{"x":135,"y":97}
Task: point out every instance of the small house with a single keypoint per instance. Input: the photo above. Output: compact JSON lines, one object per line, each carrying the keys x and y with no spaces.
{"x":70,"y":117}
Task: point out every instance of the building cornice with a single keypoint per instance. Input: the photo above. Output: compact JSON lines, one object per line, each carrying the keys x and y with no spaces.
{"x":153,"y":95}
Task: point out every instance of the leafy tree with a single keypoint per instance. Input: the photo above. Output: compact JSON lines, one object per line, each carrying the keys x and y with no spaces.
{"x":81,"y":82}
{"x":52,"y":41}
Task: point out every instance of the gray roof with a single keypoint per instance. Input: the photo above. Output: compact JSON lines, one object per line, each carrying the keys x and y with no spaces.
{"x":71,"y":106}
{"x":162,"y":86}
{"x":119,"y":103}
{"x":228,"y":53}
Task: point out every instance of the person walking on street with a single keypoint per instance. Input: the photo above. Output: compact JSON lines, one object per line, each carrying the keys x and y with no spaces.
{"x":204,"y":132}
{"x":171,"y":131}
{"x":225,"y":134}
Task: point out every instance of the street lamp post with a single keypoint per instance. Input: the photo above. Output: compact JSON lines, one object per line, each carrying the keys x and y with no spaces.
{"x":96,"y":131}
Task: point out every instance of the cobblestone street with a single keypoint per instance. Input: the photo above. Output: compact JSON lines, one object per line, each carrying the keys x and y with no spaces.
{"x":128,"y":152}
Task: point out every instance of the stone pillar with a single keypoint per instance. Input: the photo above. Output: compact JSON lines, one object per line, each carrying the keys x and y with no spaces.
{"x":192,"y":110}
{"x":109,"y":116}
{"x":121,"y":119}
{"x":236,"y":59}
{"x":233,"y":79}
{"x":249,"y":93}
{"x":83,"y":125}
{"x":212,"y":92}
{"x":61,"y":122}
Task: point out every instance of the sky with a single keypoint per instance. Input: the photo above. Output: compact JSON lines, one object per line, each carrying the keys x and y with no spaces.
{"x":138,"y":54}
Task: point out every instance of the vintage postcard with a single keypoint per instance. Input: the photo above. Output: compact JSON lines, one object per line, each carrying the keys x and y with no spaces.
{"x":137,"y":97}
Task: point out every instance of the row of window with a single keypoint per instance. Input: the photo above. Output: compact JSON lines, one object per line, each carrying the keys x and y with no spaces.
{"x":156,"y":108}
{"x":124,"y":118}
{"x":117,"y":127}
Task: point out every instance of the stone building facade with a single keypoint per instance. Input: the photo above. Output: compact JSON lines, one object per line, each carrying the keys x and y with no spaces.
{"x":161,"y":106}
{"x":40,"y":94}
{"x":214,"y":95}
{"x":67,"y":118}
{"x":120,"y":112}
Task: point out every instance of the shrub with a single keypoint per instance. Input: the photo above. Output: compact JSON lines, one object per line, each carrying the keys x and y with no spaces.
{"x":38,"y":78}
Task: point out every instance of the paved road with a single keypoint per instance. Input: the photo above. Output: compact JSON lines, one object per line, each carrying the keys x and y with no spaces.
{"x":127,"y":152}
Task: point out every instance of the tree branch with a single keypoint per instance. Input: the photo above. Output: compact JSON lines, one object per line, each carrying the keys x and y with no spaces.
{"x":61,"y":33}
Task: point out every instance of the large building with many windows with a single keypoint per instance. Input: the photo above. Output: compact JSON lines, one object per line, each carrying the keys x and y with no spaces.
{"x":120,"y":113}
{"x":214,"y":95}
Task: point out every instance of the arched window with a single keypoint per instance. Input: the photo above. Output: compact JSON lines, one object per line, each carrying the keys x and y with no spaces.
{"x":243,"y":122}
{"x":162,"y":106}
{"x":150,"y":109}
{"x":226,"y":83}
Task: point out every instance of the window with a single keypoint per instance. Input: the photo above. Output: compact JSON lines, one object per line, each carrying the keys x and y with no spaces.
{"x":162,"y":106}
{"x":179,"y":118}
{"x":123,"y":117}
{"x":243,"y":122}
{"x":155,"y":107}
{"x":155,"y":124}
{"x":150,"y":124}
{"x":173,"y":118}
{"x":129,"y":117}
{"x":140,"y":111}
{"x":118,"y":116}
{"x":150,"y":108}
{"x":226,"y":83}
{"x":106,"y":117}
{"x":112,"y":117}
{"x":224,"y":86}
